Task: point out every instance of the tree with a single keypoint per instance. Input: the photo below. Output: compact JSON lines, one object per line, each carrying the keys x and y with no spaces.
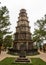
{"x":8,"y":41}
{"x":4,"y":23}
{"x":40,"y":32}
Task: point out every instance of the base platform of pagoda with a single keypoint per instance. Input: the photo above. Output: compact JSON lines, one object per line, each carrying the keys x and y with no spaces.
{"x":22,"y":60}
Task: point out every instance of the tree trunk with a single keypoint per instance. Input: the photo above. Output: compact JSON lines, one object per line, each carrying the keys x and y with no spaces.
{"x":0,"y":49}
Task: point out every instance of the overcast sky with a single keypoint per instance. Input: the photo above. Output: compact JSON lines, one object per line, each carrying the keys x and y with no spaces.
{"x":36,"y":9}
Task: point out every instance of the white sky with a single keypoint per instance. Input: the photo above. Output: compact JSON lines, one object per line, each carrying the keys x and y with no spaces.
{"x":36,"y":9}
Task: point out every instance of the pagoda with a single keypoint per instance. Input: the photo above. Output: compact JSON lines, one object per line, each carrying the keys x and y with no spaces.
{"x":22,"y":36}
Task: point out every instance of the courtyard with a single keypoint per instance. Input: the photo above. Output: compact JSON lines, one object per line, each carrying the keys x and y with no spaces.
{"x":22,"y":32}
{"x":35,"y":61}
{"x":7,"y":59}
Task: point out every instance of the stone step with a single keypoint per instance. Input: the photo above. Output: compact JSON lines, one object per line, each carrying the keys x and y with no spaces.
{"x":22,"y":60}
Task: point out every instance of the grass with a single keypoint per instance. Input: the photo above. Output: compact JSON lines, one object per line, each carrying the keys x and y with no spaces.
{"x":38,"y":61}
{"x":35,"y":61}
{"x":10,"y":61}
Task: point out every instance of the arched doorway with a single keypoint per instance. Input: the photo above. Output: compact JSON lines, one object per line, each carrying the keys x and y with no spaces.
{"x":23,"y":46}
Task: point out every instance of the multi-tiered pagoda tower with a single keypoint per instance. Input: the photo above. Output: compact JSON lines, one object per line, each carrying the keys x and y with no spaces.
{"x":23,"y":35}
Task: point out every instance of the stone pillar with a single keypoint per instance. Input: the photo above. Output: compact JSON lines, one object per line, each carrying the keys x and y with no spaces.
{"x":18,"y":46}
{"x":27,"y":45}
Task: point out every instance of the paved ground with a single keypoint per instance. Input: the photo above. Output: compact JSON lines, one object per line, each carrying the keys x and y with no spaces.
{"x":42,"y":55}
{"x":4,"y":54}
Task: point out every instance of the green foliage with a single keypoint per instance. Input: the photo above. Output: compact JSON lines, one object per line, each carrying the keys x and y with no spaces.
{"x":40,"y":32}
{"x":4,"y":22}
{"x":1,"y":41}
{"x":8,"y":41}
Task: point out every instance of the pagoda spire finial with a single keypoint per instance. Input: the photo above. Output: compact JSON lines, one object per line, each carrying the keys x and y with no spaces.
{"x":23,"y":10}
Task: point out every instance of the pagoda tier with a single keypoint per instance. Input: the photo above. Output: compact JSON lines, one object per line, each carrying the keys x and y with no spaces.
{"x":23,"y":35}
